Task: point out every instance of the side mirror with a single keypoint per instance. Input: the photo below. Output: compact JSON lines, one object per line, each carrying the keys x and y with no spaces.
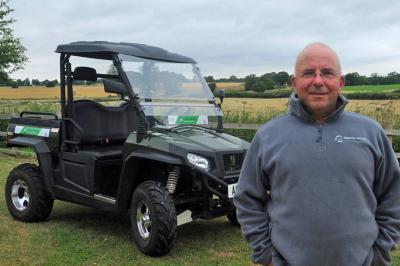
{"x":115,"y":87}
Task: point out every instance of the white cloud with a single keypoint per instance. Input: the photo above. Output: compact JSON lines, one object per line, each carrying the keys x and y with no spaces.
{"x":225,"y":37}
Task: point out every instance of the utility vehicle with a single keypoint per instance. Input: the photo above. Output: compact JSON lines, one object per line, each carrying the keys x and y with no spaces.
{"x":158,"y":153}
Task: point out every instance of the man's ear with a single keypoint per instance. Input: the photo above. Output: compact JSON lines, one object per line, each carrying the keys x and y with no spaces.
{"x":293,"y":81}
{"x":342,"y":83}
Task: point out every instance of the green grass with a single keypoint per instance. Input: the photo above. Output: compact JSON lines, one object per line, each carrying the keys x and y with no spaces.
{"x":76,"y":235}
{"x":13,"y":107}
{"x":372,"y":88}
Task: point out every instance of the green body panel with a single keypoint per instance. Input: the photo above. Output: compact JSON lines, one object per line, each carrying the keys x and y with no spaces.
{"x":188,"y":138}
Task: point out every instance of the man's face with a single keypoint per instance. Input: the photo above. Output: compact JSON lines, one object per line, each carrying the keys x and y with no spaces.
{"x":318,"y":81}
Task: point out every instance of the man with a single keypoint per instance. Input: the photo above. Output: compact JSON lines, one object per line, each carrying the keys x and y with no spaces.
{"x":320,"y":186}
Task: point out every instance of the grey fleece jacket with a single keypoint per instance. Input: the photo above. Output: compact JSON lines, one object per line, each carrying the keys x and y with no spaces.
{"x":320,"y":194}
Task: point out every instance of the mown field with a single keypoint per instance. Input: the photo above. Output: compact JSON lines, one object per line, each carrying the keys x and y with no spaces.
{"x":372,"y":88}
{"x":77,"y":235}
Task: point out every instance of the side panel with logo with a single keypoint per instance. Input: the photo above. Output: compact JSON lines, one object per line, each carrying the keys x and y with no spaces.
{"x":47,"y":129}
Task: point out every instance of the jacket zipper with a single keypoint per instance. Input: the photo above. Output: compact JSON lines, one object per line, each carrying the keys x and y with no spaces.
{"x":319,"y":137}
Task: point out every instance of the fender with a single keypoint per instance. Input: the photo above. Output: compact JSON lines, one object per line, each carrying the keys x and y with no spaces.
{"x":128,"y":178}
{"x":44,"y":157}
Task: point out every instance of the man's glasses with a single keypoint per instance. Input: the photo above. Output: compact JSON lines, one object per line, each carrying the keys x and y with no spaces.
{"x":324,"y":74}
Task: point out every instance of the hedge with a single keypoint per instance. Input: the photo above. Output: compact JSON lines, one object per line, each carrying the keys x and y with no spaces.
{"x":285,"y":93}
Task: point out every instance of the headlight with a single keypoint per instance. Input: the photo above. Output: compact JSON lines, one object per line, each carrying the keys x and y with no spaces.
{"x":198,"y":161}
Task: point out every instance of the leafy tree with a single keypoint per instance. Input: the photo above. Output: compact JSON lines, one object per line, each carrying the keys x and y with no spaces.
{"x":363,"y":80}
{"x":12,"y":56}
{"x":35,"y":82}
{"x":282,"y":78}
{"x":14,"y":84}
{"x":375,"y":79}
{"x":269,"y":84}
{"x":51,"y":83}
{"x":249,"y":81}
{"x":270,"y":75}
{"x":26,"y":82}
{"x":233,"y":78}
{"x":352,"y":78}
{"x":258,"y":86}
{"x":4,"y":79}
{"x":212,"y":86}
{"x":209,"y":79}
{"x":393,"y":78}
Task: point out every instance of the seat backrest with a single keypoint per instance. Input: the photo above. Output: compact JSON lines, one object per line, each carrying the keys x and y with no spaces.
{"x":101,"y":124}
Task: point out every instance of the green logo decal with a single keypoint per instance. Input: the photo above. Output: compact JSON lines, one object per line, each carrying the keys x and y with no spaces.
{"x":188,"y":120}
{"x":34,"y":131}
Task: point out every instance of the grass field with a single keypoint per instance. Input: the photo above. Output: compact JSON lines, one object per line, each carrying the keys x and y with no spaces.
{"x":77,"y":235}
{"x":372,"y":88}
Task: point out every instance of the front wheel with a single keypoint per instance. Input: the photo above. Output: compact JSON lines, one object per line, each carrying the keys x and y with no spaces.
{"x":26,"y":198}
{"x":153,"y":218}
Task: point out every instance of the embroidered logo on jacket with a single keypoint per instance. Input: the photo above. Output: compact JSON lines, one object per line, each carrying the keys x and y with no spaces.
{"x":341,"y":139}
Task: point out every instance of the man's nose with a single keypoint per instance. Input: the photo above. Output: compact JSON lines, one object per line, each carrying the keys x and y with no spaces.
{"x":318,"y":80}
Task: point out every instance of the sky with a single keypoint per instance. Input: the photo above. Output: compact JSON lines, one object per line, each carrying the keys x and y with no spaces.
{"x":225,"y":37}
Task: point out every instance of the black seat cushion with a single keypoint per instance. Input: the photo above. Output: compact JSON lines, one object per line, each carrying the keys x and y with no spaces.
{"x":101,"y":125}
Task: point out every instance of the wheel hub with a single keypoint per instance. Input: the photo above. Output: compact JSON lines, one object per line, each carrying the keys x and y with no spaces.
{"x":143,"y":220}
{"x":20,"y":195}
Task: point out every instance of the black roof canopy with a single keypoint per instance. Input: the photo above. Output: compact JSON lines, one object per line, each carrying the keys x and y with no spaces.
{"x":104,"y":50}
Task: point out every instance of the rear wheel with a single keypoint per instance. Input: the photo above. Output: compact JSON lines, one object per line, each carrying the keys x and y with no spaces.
{"x":26,"y":197}
{"x":153,"y":218}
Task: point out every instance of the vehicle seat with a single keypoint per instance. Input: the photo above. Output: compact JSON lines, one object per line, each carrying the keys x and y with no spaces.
{"x":103,"y":129}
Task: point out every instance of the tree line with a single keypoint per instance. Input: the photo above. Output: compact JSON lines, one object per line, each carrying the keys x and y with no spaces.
{"x":353,"y":79}
{"x":46,"y":83}
{"x":275,"y":80}
{"x":26,"y":82}
{"x":262,"y":83}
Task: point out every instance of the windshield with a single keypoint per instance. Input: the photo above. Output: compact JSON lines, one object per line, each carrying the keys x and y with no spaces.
{"x":159,"y":80}
{"x":171,"y":94}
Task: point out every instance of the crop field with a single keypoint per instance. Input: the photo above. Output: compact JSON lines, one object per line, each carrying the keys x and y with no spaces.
{"x":40,"y":92}
{"x":250,"y":110}
{"x":238,"y":110}
{"x":234,"y":86}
